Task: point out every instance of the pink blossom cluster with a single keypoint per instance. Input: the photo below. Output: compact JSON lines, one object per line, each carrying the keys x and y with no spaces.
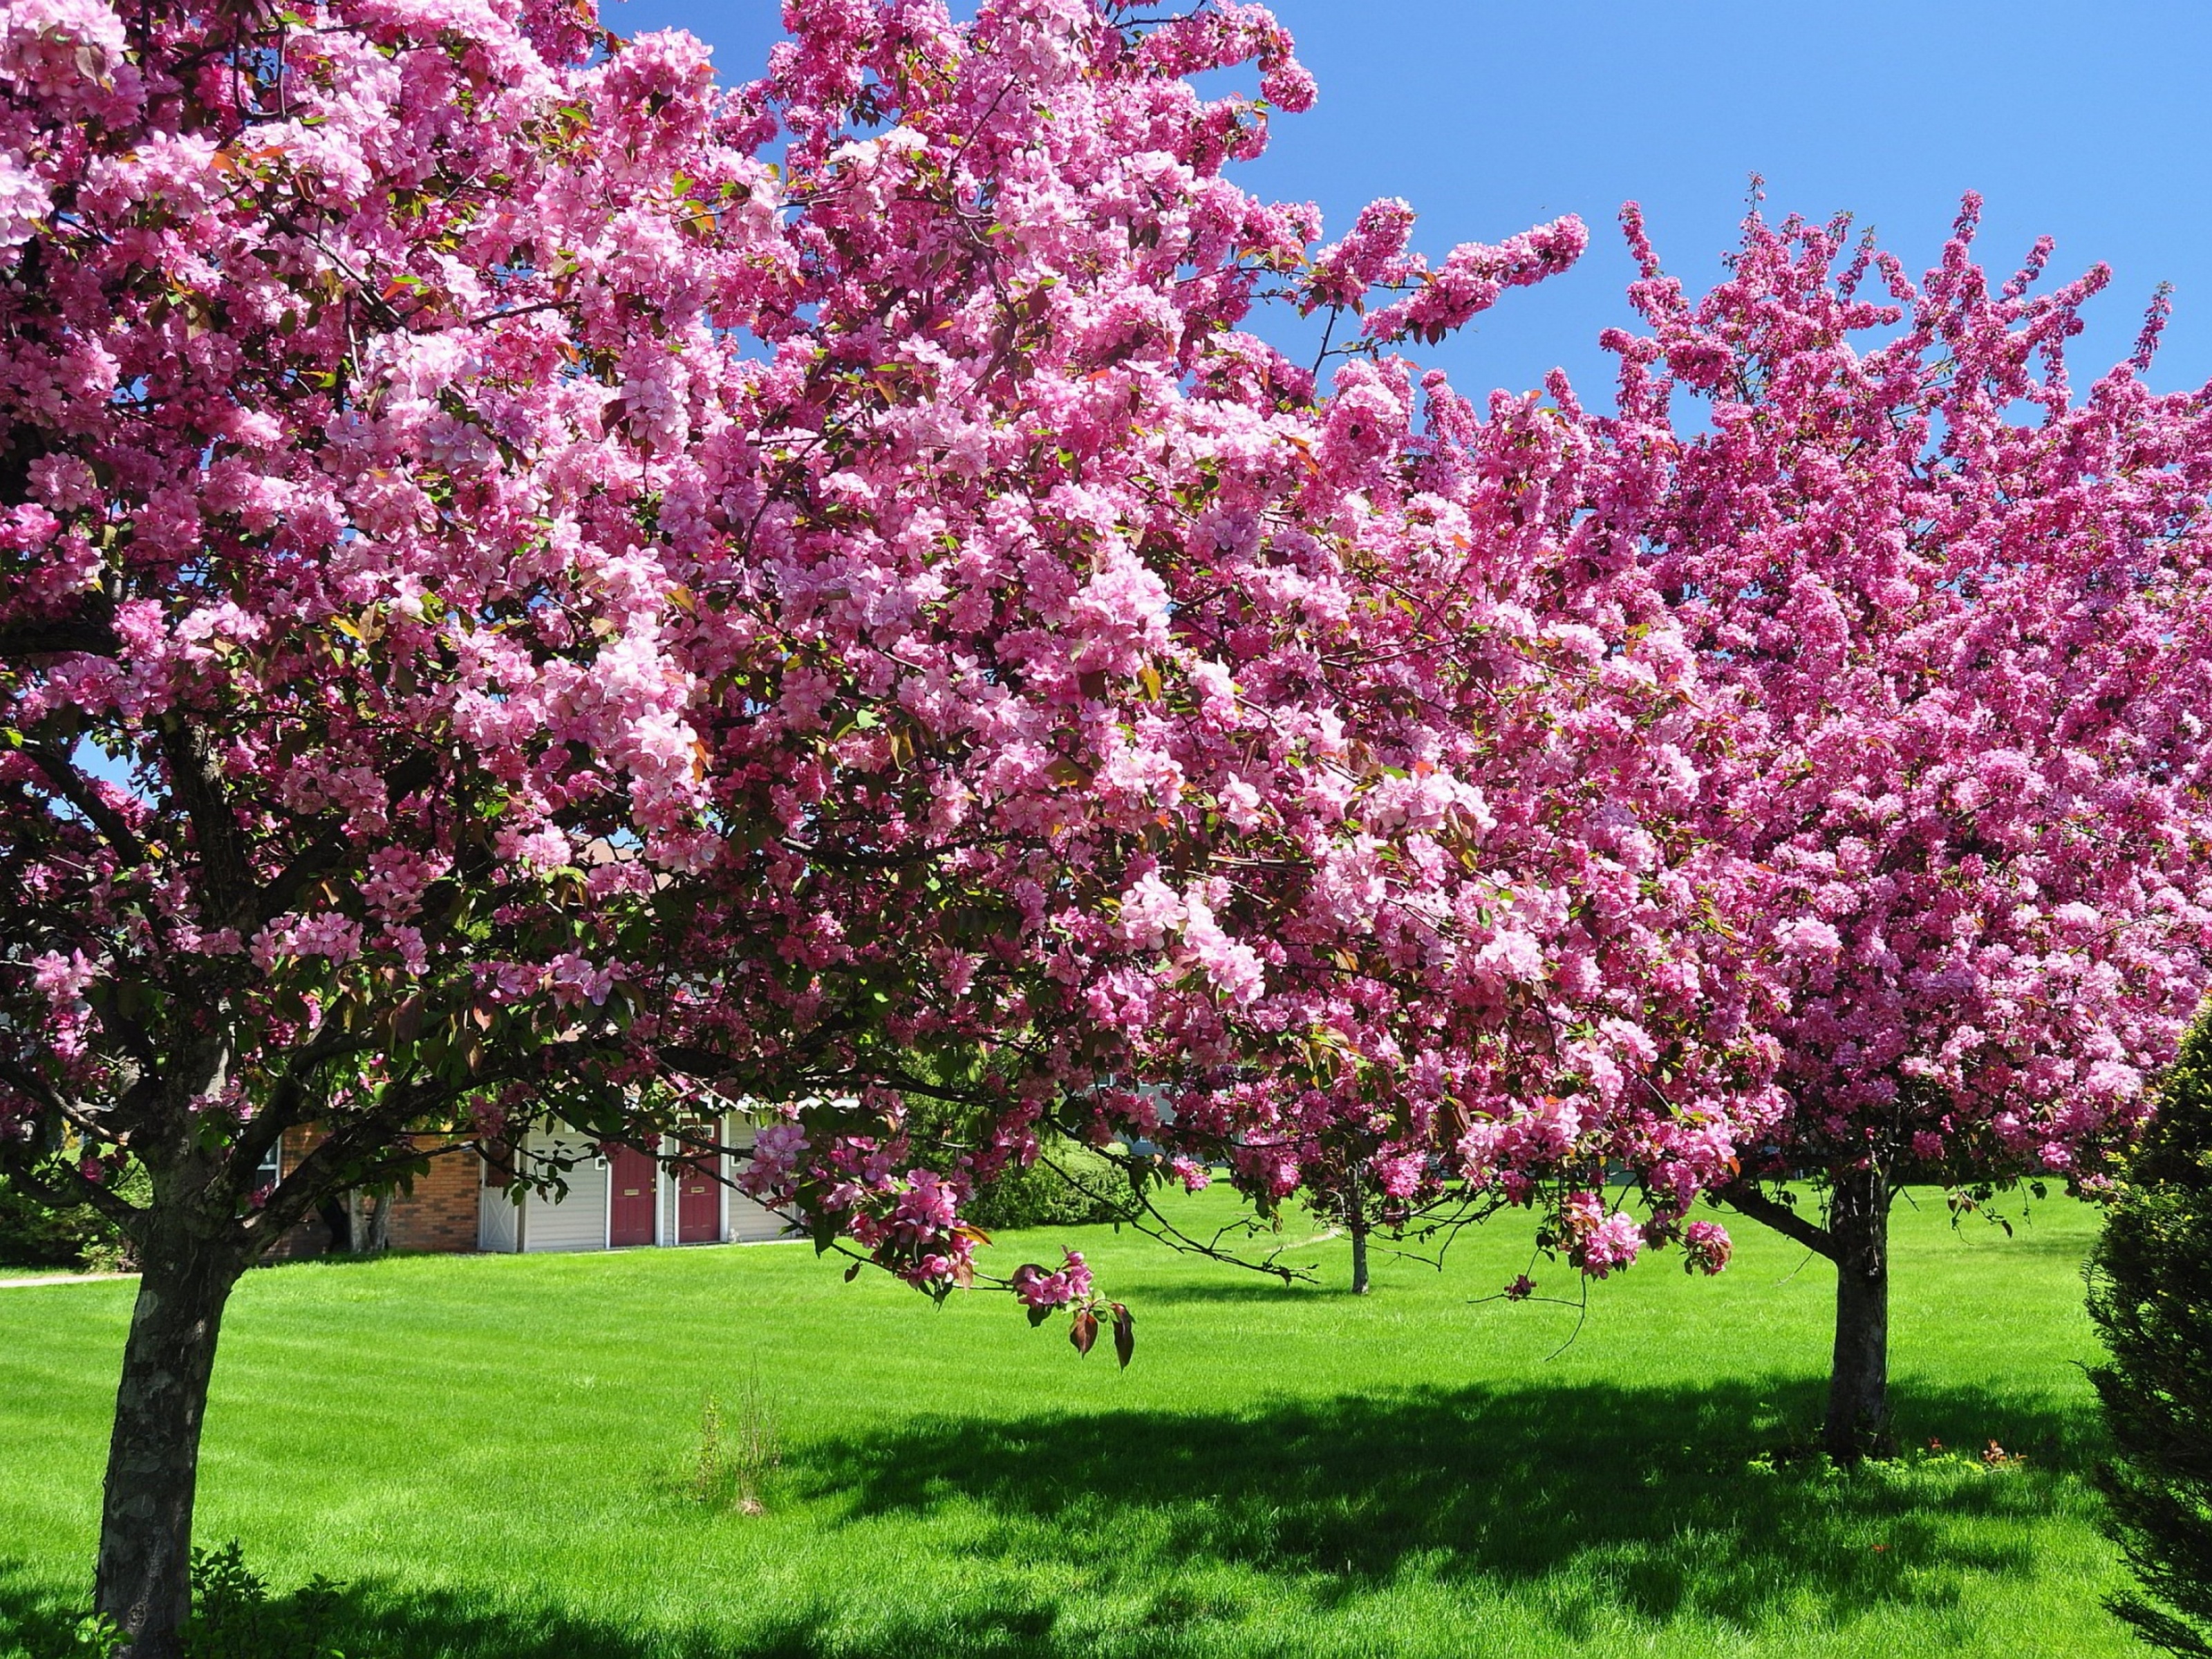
{"x":1706,"y":1246}
{"x":1598,"y":1241}
{"x":1038,"y":1288}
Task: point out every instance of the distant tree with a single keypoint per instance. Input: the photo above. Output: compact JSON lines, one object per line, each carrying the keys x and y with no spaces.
{"x":515,"y":608}
{"x":1960,"y":625}
{"x":1350,"y":1198}
{"x":1401,"y":1201}
{"x":2146,"y":1284}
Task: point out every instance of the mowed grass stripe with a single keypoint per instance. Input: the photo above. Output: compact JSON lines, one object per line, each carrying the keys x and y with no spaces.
{"x":494,"y":1452}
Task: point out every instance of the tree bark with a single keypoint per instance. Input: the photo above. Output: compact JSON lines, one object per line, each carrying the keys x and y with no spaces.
{"x":1355,"y":1223}
{"x":1858,"y":1385}
{"x":144,"y":1576}
{"x":379,"y":1227}
{"x":337,"y":1216}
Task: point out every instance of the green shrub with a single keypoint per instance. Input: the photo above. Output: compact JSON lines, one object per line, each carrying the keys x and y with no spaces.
{"x":1068,"y":1185}
{"x":33,"y":1236}
{"x":1092,"y":1189}
{"x":2150,"y":1293}
{"x":234,"y":1617}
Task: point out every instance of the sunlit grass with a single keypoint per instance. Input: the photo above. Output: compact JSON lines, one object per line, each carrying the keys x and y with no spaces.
{"x":497,"y":1453}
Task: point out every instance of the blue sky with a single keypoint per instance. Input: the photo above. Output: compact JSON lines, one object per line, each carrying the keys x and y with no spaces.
{"x":2089,"y":122}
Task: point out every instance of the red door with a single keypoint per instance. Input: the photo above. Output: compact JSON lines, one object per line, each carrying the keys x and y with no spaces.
{"x":629,"y":1207}
{"x":698,"y":1201}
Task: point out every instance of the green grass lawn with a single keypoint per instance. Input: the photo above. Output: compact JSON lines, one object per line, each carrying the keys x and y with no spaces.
{"x":493,"y":1451}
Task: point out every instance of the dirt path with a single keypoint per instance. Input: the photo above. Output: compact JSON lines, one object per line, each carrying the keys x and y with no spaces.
{"x":58,"y":1279}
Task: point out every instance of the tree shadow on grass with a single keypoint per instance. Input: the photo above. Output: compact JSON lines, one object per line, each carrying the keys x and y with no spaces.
{"x":1516,"y":1484}
{"x":1235,"y":1293}
{"x":382,"y":1619}
{"x":1593,"y":1500}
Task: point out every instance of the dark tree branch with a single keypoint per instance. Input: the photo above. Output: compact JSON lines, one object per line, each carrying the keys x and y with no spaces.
{"x":33,"y":1086}
{"x":109,"y":1203}
{"x":91,"y":634}
{"x":355,"y":1152}
{"x":129,"y":1089}
{"x":1746,"y":1197}
{"x":197,"y":777}
{"x":289,"y":1104}
{"x":77,"y":789}
{"x":129,"y":1034}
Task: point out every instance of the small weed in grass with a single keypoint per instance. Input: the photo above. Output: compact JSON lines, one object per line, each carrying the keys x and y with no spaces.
{"x":736,"y":1459}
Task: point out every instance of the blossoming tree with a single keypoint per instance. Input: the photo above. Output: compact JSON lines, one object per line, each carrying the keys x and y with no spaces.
{"x":1960,"y":622}
{"x":515,"y":606}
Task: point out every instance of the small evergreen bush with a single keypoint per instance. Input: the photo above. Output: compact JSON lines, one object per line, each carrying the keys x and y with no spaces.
{"x":2150,"y":1294}
{"x":1093,"y":1189}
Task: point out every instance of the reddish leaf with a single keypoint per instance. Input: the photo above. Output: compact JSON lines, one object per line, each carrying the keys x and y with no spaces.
{"x":1085,"y":1330}
{"x":1124,"y":1335}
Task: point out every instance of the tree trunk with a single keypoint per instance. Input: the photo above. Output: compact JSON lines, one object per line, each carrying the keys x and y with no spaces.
{"x":153,"y":1461}
{"x":1858,"y":1386}
{"x":1358,"y":1225}
{"x":379,"y":1226}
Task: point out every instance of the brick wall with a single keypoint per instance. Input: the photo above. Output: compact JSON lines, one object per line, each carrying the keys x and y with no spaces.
{"x":441,"y":1213}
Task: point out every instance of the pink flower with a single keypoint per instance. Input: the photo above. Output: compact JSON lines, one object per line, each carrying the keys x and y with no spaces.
{"x":1039,"y":1289}
{"x":1195,"y":1176}
{"x":1808,"y":937}
{"x":1614,"y":1243}
{"x":1707,"y":1246}
{"x":775,"y":1153}
{"x":23,"y":203}
{"x":63,"y":979}
{"x":927,"y":1208}
{"x":1150,"y":909}
{"x":51,"y":47}
{"x":330,"y":935}
{"x":1343,"y":273}
{"x":573,"y":978}
{"x":1234,"y":966}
